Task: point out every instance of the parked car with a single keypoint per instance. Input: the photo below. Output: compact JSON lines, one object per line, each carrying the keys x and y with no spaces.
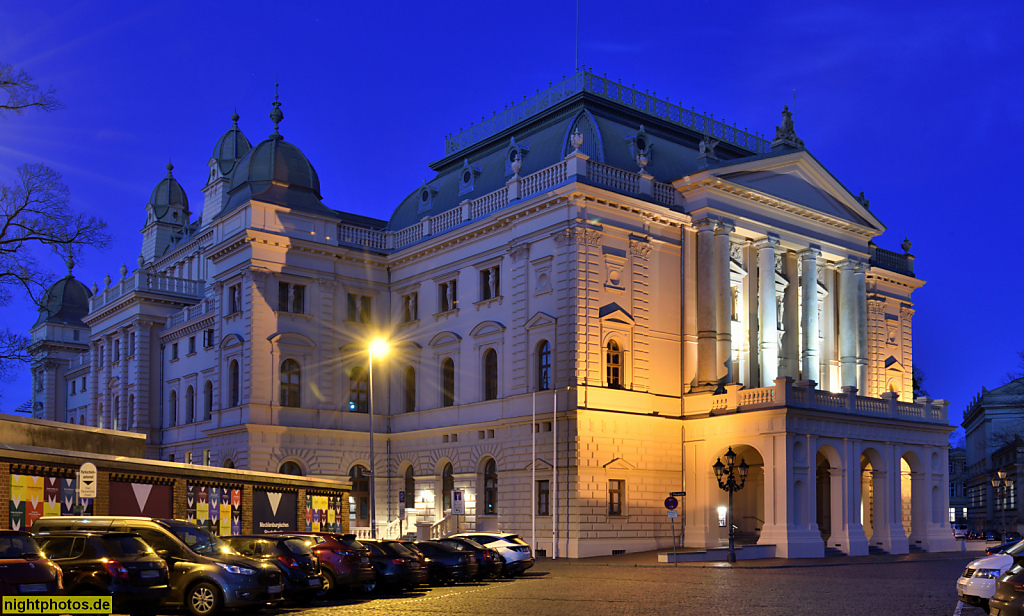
{"x":991,"y":535}
{"x":1008,"y":597}
{"x":959,"y":531}
{"x":119,"y":564}
{"x":300,"y":568}
{"x":206,"y":574}
{"x":1002,"y":547}
{"x":515,"y":551}
{"x":344,"y":561}
{"x":446,"y":565}
{"x":394,"y":565}
{"x":977,"y":584}
{"x":24,"y":567}
{"x":1011,"y":535}
{"x":489,"y":561}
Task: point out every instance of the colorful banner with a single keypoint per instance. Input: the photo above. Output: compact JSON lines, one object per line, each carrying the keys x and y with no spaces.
{"x":34,"y":496}
{"x":323,"y":514}
{"x":219,"y":510}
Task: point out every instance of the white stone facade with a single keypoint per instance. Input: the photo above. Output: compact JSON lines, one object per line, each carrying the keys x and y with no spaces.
{"x":626,"y":310}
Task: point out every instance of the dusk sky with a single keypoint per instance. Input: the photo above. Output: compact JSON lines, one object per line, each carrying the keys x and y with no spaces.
{"x":922,"y":109}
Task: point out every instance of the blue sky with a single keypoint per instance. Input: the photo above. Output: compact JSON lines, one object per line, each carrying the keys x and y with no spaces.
{"x":919,"y":107}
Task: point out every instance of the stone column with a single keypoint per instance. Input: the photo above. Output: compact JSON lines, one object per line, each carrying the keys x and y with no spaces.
{"x":848,"y":323}
{"x":126,"y":353}
{"x":860,"y":275}
{"x":790,"y":318}
{"x":768,"y":345}
{"x":94,"y":384}
{"x":688,"y":251}
{"x":723,"y":303}
{"x":809,"y":316}
{"x":106,"y":420}
{"x":707,"y":337}
{"x":143,"y":377}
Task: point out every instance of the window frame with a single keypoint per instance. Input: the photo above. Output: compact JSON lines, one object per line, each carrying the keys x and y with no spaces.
{"x":616,"y":497}
{"x":290,"y":391}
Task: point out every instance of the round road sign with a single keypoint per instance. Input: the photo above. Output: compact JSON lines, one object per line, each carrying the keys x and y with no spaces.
{"x":671,"y":503}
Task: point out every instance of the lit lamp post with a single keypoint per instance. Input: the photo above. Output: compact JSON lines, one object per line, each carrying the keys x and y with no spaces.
{"x":727,"y":481}
{"x":1001,"y":484}
{"x":380,"y":348}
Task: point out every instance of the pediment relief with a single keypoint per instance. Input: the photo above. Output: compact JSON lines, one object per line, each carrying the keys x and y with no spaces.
{"x":540,"y":319}
{"x":487,"y":327}
{"x":614,"y":313}
{"x":231,"y":340}
{"x":445,"y":338}
{"x":291,"y":339}
{"x":893,"y":365}
{"x":542,"y":465}
{"x":619,"y":464}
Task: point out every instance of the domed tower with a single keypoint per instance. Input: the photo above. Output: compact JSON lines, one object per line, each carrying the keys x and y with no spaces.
{"x":58,"y":337}
{"x":229,"y":149}
{"x":166,"y":214}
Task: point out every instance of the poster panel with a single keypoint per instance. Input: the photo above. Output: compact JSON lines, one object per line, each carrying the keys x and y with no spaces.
{"x":143,"y":499}
{"x":274,"y":511}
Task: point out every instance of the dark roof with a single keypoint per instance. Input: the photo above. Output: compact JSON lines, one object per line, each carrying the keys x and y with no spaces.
{"x":166,"y":194}
{"x":231,"y":147}
{"x":65,"y":303}
{"x":277,"y":172}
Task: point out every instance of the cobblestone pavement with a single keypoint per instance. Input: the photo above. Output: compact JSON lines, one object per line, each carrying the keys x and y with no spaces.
{"x":594,"y":587}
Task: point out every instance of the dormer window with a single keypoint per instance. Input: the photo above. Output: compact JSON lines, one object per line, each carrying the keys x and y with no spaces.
{"x":425,"y":197}
{"x":467,"y":177}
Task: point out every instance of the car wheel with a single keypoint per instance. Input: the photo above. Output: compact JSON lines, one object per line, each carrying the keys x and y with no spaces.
{"x":371,"y":586}
{"x":327,"y":589}
{"x":203,"y":599}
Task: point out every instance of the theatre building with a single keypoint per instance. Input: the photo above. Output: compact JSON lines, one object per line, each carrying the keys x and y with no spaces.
{"x":597,"y":294}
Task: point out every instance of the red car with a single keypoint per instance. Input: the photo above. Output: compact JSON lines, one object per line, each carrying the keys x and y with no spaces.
{"x":344,"y":562}
{"x":24,"y":569}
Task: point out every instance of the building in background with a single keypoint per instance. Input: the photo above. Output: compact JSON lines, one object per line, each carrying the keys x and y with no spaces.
{"x":994,"y":431}
{"x":597,"y":296}
{"x":958,"y":485}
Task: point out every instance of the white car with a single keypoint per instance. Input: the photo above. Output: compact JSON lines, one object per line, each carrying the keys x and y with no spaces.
{"x":977,"y":584}
{"x":959,"y":531}
{"x":515,"y":551}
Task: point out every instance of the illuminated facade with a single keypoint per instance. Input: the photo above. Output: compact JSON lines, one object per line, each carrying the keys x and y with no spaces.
{"x":611,"y":281}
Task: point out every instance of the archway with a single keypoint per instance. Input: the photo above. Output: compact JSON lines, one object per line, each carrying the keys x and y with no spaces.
{"x":748,"y":503}
{"x":912,"y":499}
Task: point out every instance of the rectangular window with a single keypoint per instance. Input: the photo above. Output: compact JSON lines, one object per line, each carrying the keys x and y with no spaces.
{"x":207,"y":338}
{"x":117,"y":351}
{"x":616,"y":494}
{"x":75,"y":335}
{"x":103,"y":352}
{"x":170,"y":457}
{"x":447,"y":299}
{"x":131,"y":344}
{"x":291,"y":298}
{"x":191,"y":345}
{"x":952,"y":514}
{"x":188,"y":457}
{"x":206,"y":457}
{"x":83,"y":383}
{"x":489,"y":283}
{"x":952,"y":490}
{"x":543,"y":497}
{"x":234,"y":298}
{"x":409,"y":307}
{"x":358,"y":308}
{"x":174,"y":351}
{"x":73,"y":384}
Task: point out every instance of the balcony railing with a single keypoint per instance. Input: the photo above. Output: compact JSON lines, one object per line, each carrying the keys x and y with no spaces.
{"x":141,"y":281}
{"x":190,"y":313}
{"x":804,"y":395}
{"x":899,"y":262}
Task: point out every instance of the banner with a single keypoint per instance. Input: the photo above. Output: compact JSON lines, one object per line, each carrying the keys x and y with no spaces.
{"x":34,"y":496}
{"x":218,"y":510}
{"x":141,"y":499}
{"x":273,"y":511}
{"x":323,"y":513}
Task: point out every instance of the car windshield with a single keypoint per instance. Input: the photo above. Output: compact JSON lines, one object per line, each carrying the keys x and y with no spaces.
{"x":297,"y":546}
{"x":18,"y":546}
{"x":1016,"y":549}
{"x":202,"y":541}
{"x":124,"y":545}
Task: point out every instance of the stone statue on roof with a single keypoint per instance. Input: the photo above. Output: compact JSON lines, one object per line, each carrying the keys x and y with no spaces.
{"x":786,"y":134}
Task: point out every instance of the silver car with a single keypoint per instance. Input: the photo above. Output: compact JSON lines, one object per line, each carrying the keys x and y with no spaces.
{"x":515,"y":551}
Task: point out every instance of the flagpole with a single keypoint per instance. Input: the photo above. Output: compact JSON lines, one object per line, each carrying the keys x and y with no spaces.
{"x":533,"y":478}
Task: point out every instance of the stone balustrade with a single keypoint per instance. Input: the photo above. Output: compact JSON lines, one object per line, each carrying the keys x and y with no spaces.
{"x":141,"y":281}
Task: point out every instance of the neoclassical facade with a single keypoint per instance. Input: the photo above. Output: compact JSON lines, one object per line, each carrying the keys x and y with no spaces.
{"x":595,"y":297}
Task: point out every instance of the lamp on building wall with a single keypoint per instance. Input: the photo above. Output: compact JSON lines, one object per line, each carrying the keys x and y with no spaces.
{"x":1002,"y":486}
{"x":727,"y":481}
{"x":380,"y":348}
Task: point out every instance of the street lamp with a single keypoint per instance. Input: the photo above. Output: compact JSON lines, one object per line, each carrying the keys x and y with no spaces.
{"x":380,"y":348}
{"x":730,"y":485}
{"x":1001,"y":484}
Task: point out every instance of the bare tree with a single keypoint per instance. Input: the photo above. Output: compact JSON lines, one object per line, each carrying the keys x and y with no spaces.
{"x":34,"y":214}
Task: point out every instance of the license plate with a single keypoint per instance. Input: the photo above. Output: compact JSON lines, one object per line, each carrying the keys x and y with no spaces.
{"x":32,"y":587}
{"x":275,"y":589}
{"x":149,"y":573}
{"x":314,"y":582}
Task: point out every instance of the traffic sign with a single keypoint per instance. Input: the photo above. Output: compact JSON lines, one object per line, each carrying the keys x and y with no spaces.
{"x":458,"y":503}
{"x":671,"y":503}
{"x":87,"y":480}
{"x":672,"y":513}
{"x":401,"y":504}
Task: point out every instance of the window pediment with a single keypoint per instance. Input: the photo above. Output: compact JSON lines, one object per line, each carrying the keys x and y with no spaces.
{"x":445,"y":338}
{"x":619,"y":464}
{"x":291,"y":339}
{"x":541,"y":319}
{"x":231,"y":340}
{"x":487,"y":327}
{"x":613,"y":313}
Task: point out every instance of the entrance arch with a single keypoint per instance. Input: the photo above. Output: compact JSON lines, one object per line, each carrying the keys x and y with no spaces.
{"x":829,"y":495}
{"x":748,"y":503}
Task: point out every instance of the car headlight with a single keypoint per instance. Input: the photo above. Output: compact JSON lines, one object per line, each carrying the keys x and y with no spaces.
{"x":239,"y":570}
{"x":987,"y":574}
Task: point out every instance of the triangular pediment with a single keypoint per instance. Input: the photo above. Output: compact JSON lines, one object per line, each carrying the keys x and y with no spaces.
{"x":614,"y":312}
{"x":893,"y":365}
{"x":542,"y":465}
{"x":540,"y":319}
{"x":620,"y":464}
{"x":799,"y":179}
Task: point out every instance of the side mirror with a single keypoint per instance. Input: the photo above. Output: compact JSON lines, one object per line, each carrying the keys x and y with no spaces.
{"x":166,"y":555}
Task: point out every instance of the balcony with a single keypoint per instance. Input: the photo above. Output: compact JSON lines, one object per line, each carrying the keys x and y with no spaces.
{"x":190,"y":313}
{"x":144,"y":282}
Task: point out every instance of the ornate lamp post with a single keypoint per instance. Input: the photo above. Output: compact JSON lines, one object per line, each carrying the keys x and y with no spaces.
{"x":380,"y":348}
{"x":1001,"y":484}
{"x":727,"y":481}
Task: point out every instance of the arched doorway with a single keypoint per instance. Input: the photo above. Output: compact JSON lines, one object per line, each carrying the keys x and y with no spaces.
{"x":912,"y":499}
{"x":447,"y":485}
{"x":748,"y":503}
{"x":359,"y":500}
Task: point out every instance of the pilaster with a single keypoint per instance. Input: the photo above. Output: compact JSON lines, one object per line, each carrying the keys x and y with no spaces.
{"x":768,"y":333}
{"x":640,"y":255}
{"x":809,"y":315}
{"x":723,"y":303}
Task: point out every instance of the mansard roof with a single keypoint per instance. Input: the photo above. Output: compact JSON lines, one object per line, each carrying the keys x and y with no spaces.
{"x":65,"y":302}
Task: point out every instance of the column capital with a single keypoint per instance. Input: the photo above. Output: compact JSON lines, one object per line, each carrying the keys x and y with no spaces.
{"x":724,"y":228}
{"x":705,"y":224}
{"x":767,"y":242}
{"x":811,"y":252}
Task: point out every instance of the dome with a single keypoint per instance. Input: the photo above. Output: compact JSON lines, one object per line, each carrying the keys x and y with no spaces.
{"x":276,"y":160}
{"x":230,"y":147}
{"x":167,"y":193}
{"x":65,"y":302}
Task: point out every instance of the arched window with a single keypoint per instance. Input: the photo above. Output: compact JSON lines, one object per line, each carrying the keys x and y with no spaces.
{"x":358,"y":391}
{"x":115,"y":424}
{"x":447,"y":485}
{"x":613,"y":364}
{"x":190,"y":405}
{"x":490,"y":488}
{"x":448,"y":382}
{"x":410,"y":488}
{"x":71,"y":420}
{"x":81,"y":420}
{"x":543,"y":365}
{"x":130,"y":421}
{"x":234,"y":383}
{"x":359,"y":506}
{"x":291,"y":379}
{"x":490,"y":374}
{"x":207,"y":400}
{"x":290,"y":468}
{"x":172,"y":409}
{"x":229,"y":463}
{"x":410,"y":389}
